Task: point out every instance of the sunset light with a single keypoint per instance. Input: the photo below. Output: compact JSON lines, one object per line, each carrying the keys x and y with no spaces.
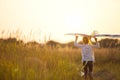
{"x":59,"y":39}
{"x":57,"y":17}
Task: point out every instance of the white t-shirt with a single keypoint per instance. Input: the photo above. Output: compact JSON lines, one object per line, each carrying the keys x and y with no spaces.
{"x":87,"y":51}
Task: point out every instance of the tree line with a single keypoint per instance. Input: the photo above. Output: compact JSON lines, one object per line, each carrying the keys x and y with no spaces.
{"x":109,"y":43}
{"x":104,"y":43}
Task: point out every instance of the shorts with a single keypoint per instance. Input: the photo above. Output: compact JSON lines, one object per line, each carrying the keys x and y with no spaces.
{"x":88,"y":66}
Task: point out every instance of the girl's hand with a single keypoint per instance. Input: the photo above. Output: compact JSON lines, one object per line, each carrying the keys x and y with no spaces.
{"x":76,"y":37}
{"x":95,"y":39}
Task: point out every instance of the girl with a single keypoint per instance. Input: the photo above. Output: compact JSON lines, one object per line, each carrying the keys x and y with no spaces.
{"x":87,"y":55}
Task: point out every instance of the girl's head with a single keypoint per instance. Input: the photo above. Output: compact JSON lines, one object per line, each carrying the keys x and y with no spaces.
{"x":85,"y":40}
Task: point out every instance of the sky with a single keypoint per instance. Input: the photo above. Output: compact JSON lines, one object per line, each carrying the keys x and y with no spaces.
{"x":44,"y":20}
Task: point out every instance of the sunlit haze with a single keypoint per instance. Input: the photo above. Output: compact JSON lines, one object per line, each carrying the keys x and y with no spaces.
{"x":42,"y":20}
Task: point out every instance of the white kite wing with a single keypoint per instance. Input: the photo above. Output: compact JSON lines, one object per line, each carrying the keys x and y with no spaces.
{"x":108,"y":35}
{"x":96,"y":35}
{"x":77,"y":34}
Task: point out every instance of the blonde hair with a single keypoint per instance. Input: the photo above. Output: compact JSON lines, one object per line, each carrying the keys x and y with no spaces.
{"x":86,"y":40}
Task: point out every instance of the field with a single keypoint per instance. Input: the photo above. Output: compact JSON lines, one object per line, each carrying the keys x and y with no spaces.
{"x":33,"y":62}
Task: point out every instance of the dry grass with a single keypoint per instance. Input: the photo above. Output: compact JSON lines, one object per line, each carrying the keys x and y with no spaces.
{"x":20,"y":62}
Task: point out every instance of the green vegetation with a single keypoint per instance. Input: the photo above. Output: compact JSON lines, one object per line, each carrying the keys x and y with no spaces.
{"x":19,"y":61}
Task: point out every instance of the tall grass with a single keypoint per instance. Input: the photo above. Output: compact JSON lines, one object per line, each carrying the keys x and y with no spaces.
{"x":30,"y":62}
{"x":19,"y":62}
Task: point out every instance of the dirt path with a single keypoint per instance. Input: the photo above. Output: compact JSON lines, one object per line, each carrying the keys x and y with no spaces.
{"x":104,"y":75}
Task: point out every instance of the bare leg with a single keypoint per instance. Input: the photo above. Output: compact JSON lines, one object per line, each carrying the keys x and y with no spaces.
{"x":86,"y":76}
{"x":85,"y":71}
{"x":91,"y":75}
